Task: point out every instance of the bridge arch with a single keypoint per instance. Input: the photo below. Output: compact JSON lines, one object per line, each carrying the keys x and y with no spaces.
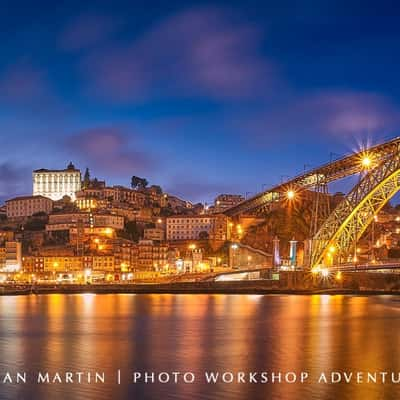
{"x":346,"y":224}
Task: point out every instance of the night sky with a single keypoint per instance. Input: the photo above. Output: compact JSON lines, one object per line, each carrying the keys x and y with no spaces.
{"x":199,"y":97}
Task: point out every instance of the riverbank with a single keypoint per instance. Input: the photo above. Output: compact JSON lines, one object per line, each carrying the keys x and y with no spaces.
{"x":244,"y":287}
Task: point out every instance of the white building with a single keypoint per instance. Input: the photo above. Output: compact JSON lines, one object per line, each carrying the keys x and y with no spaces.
{"x":55,"y":184}
{"x":192,"y":227}
{"x":26,"y":206}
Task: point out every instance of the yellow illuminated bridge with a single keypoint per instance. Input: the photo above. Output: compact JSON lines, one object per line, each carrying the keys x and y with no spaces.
{"x":379,"y":168}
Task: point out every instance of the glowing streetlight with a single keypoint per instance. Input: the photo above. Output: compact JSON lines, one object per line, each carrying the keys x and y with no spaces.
{"x":290,"y":194}
{"x":366,"y":161}
{"x":332,"y":249}
{"x":325,"y":272}
{"x":108,"y":231}
{"x":192,"y":246}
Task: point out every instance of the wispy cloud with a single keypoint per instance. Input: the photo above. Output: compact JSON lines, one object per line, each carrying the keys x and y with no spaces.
{"x":14,"y":181}
{"x":323,"y":114}
{"x":199,"y":52}
{"x":23,"y":83}
{"x":87,"y":30}
{"x":109,"y":150}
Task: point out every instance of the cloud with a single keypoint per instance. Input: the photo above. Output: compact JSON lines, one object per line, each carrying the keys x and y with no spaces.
{"x":354,"y":113}
{"x":22,"y":83}
{"x":199,"y":52}
{"x":87,"y":30}
{"x":108,"y":149}
{"x":14,"y":181}
{"x":323,"y":114}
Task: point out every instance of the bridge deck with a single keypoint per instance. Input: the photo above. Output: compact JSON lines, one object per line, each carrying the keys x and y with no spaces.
{"x":335,"y":170}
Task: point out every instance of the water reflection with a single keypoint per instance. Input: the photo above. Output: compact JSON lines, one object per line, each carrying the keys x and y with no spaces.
{"x":198,"y":333}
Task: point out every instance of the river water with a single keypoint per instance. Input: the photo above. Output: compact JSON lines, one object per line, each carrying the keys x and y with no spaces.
{"x":119,"y":335}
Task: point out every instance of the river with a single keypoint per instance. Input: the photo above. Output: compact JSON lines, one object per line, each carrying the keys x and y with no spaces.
{"x":117,"y":336}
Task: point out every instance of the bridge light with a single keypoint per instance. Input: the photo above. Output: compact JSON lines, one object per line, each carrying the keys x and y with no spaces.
{"x":325,"y":272}
{"x":366,"y":161}
{"x":290,"y":194}
{"x":315,"y":270}
{"x":332,"y":249}
{"x":339,"y":276}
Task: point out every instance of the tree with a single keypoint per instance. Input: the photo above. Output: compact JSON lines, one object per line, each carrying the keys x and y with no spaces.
{"x":35,"y":224}
{"x":138,"y":183}
{"x":132,"y":231}
{"x":86,"y":179}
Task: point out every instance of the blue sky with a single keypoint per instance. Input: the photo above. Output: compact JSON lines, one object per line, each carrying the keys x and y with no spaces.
{"x":199,"y":97}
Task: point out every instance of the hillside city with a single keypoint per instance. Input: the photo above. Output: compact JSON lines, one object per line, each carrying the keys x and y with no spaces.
{"x":75,"y":228}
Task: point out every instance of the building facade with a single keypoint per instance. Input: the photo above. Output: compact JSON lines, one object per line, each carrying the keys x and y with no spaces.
{"x":225,"y":201}
{"x":55,"y":184}
{"x":67,"y":221}
{"x":151,"y":256}
{"x":22,"y":207}
{"x":156,"y":234}
{"x":195,"y":227}
{"x":11,"y":257}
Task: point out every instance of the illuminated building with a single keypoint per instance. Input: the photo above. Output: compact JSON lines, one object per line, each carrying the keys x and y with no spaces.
{"x":55,"y":184}
{"x":151,"y":256}
{"x":156,"y":234}
{"x":225,"y":201}
{"x":11,"y":257}
{"x":103,"y":263}
{"x":102,"y":221}
{"x":26,"y":206}
{"x":192,"y":227}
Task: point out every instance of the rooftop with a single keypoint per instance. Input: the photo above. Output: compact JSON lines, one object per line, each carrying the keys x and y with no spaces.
{"x":28,"y":198}
{"x":70,"y":168}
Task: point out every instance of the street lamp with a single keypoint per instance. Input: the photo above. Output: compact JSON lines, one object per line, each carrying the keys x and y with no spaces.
{"x":290,"y":194}
{"x":366,"y":162}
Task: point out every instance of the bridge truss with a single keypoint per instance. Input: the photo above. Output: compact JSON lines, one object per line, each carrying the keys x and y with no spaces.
{"x":347,"y":223}
{"x":338,"y":235}
{"x":332,"y":171}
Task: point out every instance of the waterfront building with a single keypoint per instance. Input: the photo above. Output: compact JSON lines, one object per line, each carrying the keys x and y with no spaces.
{"x":11,"y":256}
{"x":103,"y":263}
{"x":68,"y":264}
{"x":151,"y":256}
{"x":26,"y":206}
{"x":55,"y":184}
